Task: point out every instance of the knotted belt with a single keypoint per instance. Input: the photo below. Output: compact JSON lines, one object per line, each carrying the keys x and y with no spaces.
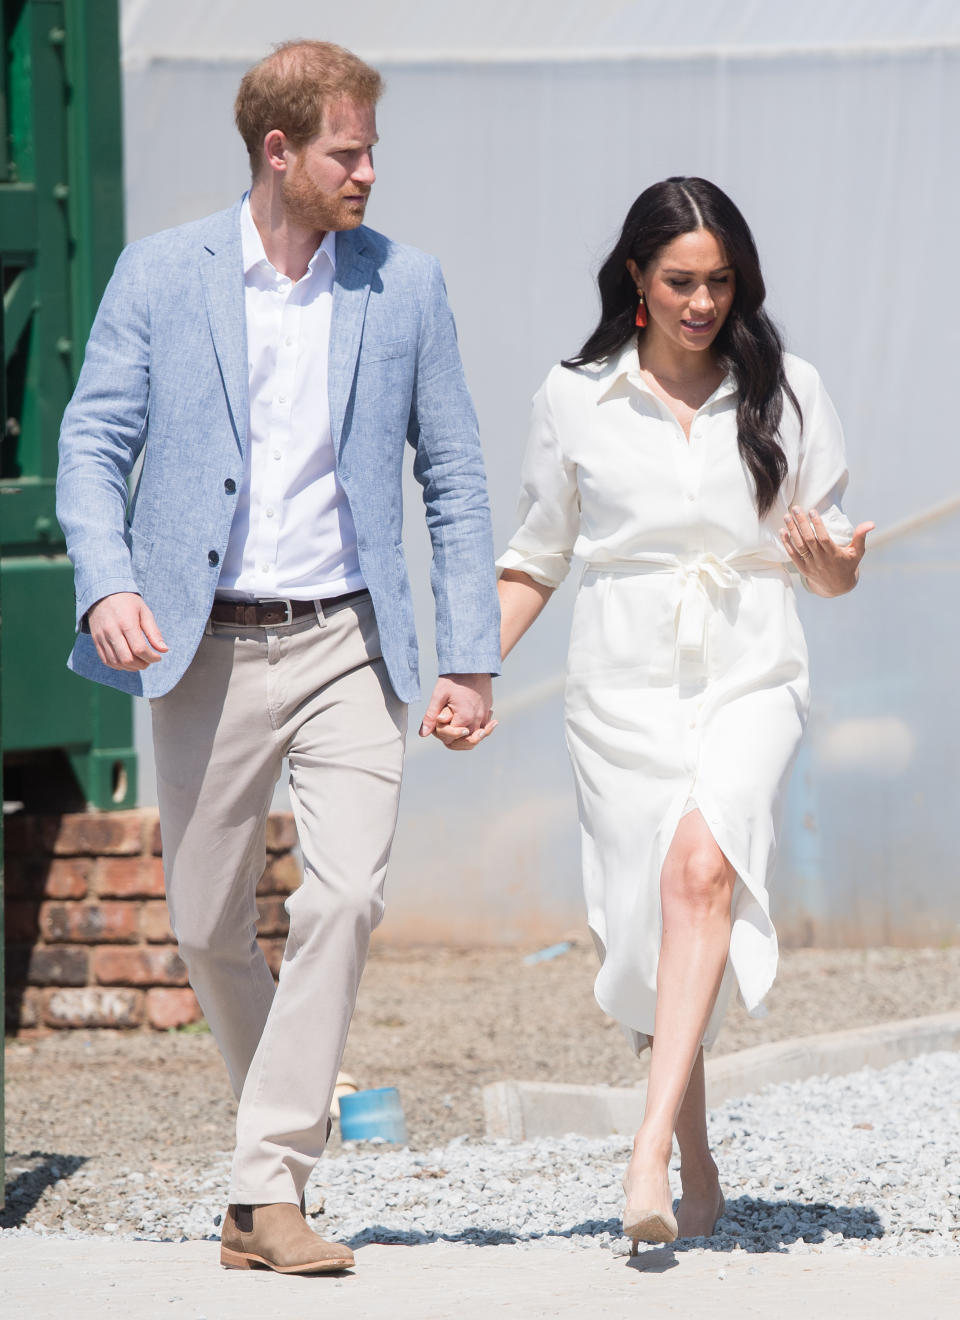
{"x":695,"y":602}
{"x":696,"y":576}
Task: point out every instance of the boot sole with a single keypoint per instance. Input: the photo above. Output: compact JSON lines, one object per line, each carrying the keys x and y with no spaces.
{"x":246,"y":1260}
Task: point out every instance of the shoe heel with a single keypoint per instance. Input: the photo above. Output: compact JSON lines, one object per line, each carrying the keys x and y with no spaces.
{"x":648,"y":1226}
{"x":234,"y":1260}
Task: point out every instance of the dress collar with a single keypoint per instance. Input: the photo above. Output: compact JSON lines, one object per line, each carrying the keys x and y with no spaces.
{"x":623,"y":367}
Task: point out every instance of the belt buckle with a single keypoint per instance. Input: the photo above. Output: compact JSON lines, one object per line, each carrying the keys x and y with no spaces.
{"x":287,"y":610}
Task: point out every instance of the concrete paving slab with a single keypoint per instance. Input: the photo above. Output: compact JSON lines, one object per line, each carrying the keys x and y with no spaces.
{"x":60,"y":1279}
{"x":521,"y":1111}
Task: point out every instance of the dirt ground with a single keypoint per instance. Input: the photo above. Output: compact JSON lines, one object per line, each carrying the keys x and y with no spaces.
{"x":437,"y":1024}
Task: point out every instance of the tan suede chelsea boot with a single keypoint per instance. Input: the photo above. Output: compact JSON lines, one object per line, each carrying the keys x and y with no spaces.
{"x":276,"y":1237}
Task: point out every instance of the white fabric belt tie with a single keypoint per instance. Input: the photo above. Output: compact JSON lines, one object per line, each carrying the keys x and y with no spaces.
{"x":695,"y":578}
{"x":695,"y":603}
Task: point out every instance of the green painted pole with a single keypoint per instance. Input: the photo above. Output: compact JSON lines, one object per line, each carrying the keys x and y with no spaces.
{"x":3,"y":934}
{"x":3,"y":944}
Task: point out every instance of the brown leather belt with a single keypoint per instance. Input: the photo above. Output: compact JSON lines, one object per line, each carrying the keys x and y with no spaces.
{"x":271,"y":613}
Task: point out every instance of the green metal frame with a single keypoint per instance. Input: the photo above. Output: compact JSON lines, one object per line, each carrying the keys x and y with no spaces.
{"x":3,"y":934}
{"x":61,"y":229}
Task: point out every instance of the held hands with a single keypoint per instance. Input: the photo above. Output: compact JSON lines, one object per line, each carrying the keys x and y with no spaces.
{"x":457,"y":739}
{"x":460,"y":713}
{"x":829,"y":569}
{"x":125,"y":632}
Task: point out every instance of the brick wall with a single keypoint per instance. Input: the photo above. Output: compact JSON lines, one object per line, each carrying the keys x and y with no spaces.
{"x":88,"y":943}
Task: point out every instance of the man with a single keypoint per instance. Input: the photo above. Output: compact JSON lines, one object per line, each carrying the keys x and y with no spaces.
{"x":271,"y":362}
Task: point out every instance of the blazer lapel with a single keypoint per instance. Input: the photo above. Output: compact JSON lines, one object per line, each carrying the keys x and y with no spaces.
{"x":351,"y":289}
{"x":221,"y":270}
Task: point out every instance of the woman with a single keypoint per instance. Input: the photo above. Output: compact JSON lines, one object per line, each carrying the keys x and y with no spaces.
{"x":688,"y":461}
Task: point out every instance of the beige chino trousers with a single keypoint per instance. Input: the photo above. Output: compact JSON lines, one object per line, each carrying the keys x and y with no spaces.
{"x":316,"y":691}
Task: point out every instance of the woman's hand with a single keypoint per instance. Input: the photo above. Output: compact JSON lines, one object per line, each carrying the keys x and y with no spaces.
{"x":460,"y":739}
{"x":829,"y":569}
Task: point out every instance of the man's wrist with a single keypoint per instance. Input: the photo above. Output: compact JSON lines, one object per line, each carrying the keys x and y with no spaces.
{"x":85,"y":619}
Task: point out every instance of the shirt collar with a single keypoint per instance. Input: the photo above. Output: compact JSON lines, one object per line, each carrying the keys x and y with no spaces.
{"x":624,"y":366}
{"x":252,"y":244}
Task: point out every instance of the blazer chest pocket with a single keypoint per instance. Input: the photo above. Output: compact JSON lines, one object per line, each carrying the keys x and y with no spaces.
{"x":382,"y":350}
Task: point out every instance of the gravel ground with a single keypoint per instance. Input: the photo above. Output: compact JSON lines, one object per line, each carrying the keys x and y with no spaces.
{"x":826,"y":1164}
{"x":128,"y":1133}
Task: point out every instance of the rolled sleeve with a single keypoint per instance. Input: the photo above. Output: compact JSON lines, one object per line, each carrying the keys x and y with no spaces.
{"x":549,"y":510}
{"x":822,"y":473}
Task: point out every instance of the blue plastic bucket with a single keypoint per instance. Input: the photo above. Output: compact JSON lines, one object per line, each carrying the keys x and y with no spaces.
{"x":368,"y":1114}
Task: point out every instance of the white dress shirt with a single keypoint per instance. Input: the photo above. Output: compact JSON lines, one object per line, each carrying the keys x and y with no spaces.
{"x":293,"y":535}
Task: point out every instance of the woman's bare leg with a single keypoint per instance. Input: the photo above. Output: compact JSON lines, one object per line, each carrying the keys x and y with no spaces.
{"x":696,"y":888}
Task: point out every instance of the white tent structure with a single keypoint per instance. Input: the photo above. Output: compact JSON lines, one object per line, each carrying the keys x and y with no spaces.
{"x":513,"y":138}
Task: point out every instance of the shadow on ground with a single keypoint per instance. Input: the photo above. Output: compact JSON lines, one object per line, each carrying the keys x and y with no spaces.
{"x":748,"y":1224}
{"x":33,"y":1174}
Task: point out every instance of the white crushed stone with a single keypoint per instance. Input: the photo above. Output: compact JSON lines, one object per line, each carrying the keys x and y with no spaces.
{"x":869,"y":1162}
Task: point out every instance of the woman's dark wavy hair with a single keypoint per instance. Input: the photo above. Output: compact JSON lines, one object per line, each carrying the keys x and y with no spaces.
{"x":748,"y":345}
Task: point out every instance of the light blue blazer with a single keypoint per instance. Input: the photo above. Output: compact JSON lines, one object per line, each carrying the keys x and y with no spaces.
{"x":165,"y":372}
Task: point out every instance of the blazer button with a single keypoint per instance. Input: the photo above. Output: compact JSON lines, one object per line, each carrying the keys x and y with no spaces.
{"x":213,"y":558}
{"x":229,"y":485}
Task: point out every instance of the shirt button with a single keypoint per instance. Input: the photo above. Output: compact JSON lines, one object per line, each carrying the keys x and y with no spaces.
{"x":283,"y":398}
{"x":276,"y":453}
{"x":264,"y":568}
{"x":229,"y":485}
{"x":691,"y":496}
{"x":288,"y":341}
{"x":213,"y":558}
{"x":269,"y":513}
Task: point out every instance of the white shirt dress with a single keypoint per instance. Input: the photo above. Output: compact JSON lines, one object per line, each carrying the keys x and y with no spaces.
{"x":687,"y":680}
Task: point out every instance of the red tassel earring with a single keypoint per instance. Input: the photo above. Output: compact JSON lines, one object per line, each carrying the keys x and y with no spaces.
{"x":641,"y":310}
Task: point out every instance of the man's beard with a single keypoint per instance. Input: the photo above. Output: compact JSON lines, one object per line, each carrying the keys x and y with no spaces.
{"x":305,"y":205}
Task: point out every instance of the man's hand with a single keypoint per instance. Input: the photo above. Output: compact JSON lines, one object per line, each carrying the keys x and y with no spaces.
{"x":125,"y":632}
{"x":468,"y":698}
{"x":454,"y":738}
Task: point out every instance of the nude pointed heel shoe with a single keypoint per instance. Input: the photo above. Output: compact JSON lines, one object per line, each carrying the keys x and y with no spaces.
{"x":641,"y":1225}
{"x":644,"y":1224}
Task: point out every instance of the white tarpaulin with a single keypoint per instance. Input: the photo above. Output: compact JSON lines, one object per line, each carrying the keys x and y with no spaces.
{"x":513,"y":139}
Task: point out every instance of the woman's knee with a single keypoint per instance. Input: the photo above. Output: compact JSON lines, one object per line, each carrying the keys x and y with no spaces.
{"x":700,"y":879}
